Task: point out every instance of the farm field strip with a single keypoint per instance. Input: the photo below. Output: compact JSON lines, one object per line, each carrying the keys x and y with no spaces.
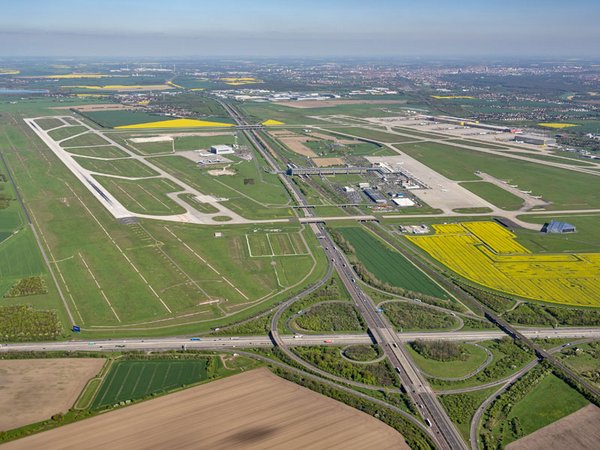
{"x":388,"y":265}
{"x":222,"y":414}
{"x":488,"y":254}
{"x":35,"y":389}
{"x":129,"y":380}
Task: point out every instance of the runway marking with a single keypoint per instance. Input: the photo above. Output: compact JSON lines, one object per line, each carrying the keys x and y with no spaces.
{"x":52,"y":258}
{"x":99,"y":287}
{"x":206,"y":262}
{"x":120,"y":250}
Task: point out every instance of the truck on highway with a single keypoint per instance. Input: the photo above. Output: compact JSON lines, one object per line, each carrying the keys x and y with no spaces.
{"x":298,"y":336}
{"x":328,"y":341}
{"x":195,"y":339}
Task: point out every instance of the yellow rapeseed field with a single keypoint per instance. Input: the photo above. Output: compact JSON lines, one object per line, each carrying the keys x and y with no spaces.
{"x":557,"y":125}
{"x":123,"y":87}
{"x":170,"y":83}
{"x":488,"y":254}
{"x":177,"y":123}
{"x":69,"y":76}
{"x":240,"y":81}
{"x":272,"y":122}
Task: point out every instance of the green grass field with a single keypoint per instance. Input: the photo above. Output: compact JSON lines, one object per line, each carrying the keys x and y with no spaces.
{"x":122,"y":167}
{"x":99,"y":152}
{"x":182,"y":143}
{"x":570,"y":161}
{"x":251,"y":192}
{"x":143,"y":196}
{"x":479,"y":144}
{"x":332,"y":317}
{"x":66,"y":132}
{"x":461,"y":407}
{"x":111,"y":119}
{"x":494,"y":194}
{"x":380,"y":136}
{"x":587,"y":238}
{"x":550,"y":400}
{"x":388,"y":265}
{"x":85,"y":140}
{"x":259,"y":112}
{"x":47,"y":124}
{"x":508,"y":358}
{"x":171,"y":288}
{"x":474,"y":358}
{"x":584,"y":359}
{"x":133,"y":380}
{"x":575,"y":190}
{"x":410,"y":317}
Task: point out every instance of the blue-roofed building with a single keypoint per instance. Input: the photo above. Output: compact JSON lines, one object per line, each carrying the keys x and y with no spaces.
{"x":558,"y":227}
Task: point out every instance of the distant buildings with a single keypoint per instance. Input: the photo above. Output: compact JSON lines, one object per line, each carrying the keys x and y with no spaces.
{"x":558,"y":227}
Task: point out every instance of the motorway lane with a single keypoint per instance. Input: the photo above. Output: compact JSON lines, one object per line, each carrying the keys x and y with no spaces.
{"x":211,"y":342}
{"x":444,"y":431}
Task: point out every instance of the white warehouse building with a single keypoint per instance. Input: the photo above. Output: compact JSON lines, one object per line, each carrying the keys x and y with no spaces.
{"x":221,"y":149}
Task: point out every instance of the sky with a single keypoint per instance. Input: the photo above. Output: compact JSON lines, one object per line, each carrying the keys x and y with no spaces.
{"x":300,"y":28}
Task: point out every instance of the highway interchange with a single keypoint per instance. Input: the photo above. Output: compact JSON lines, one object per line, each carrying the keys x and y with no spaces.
{"x":439,"y":426}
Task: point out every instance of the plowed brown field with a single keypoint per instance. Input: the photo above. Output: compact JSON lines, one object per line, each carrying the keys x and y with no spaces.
{"x":32,"y":390}
{"x":577,"y":431}
{"x":254,"y":410}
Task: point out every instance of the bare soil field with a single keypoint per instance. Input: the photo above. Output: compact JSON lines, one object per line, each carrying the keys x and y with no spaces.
{"x":576,"y":431}
{"x":253,"y":410}
{"x":327,"y":162}
{"x":97,"y":107}
{"x":295,"y":142}
{"x":333,"y":138}
{"x":35,"y":389}
{"x":329,"y":103}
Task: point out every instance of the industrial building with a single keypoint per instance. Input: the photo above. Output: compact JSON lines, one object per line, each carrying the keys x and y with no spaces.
{"x":558,"y":227}
{"x":534,"y":140}
{"x":403,"y":202}
{"x":467,"y":123}
{"x":375,"y":196}
{"x":221,"y":149}
{"x":291,"y":170}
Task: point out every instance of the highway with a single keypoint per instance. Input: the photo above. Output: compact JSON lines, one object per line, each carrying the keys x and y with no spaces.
{"x":445,"y":433}
{"x":229,"y":342}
